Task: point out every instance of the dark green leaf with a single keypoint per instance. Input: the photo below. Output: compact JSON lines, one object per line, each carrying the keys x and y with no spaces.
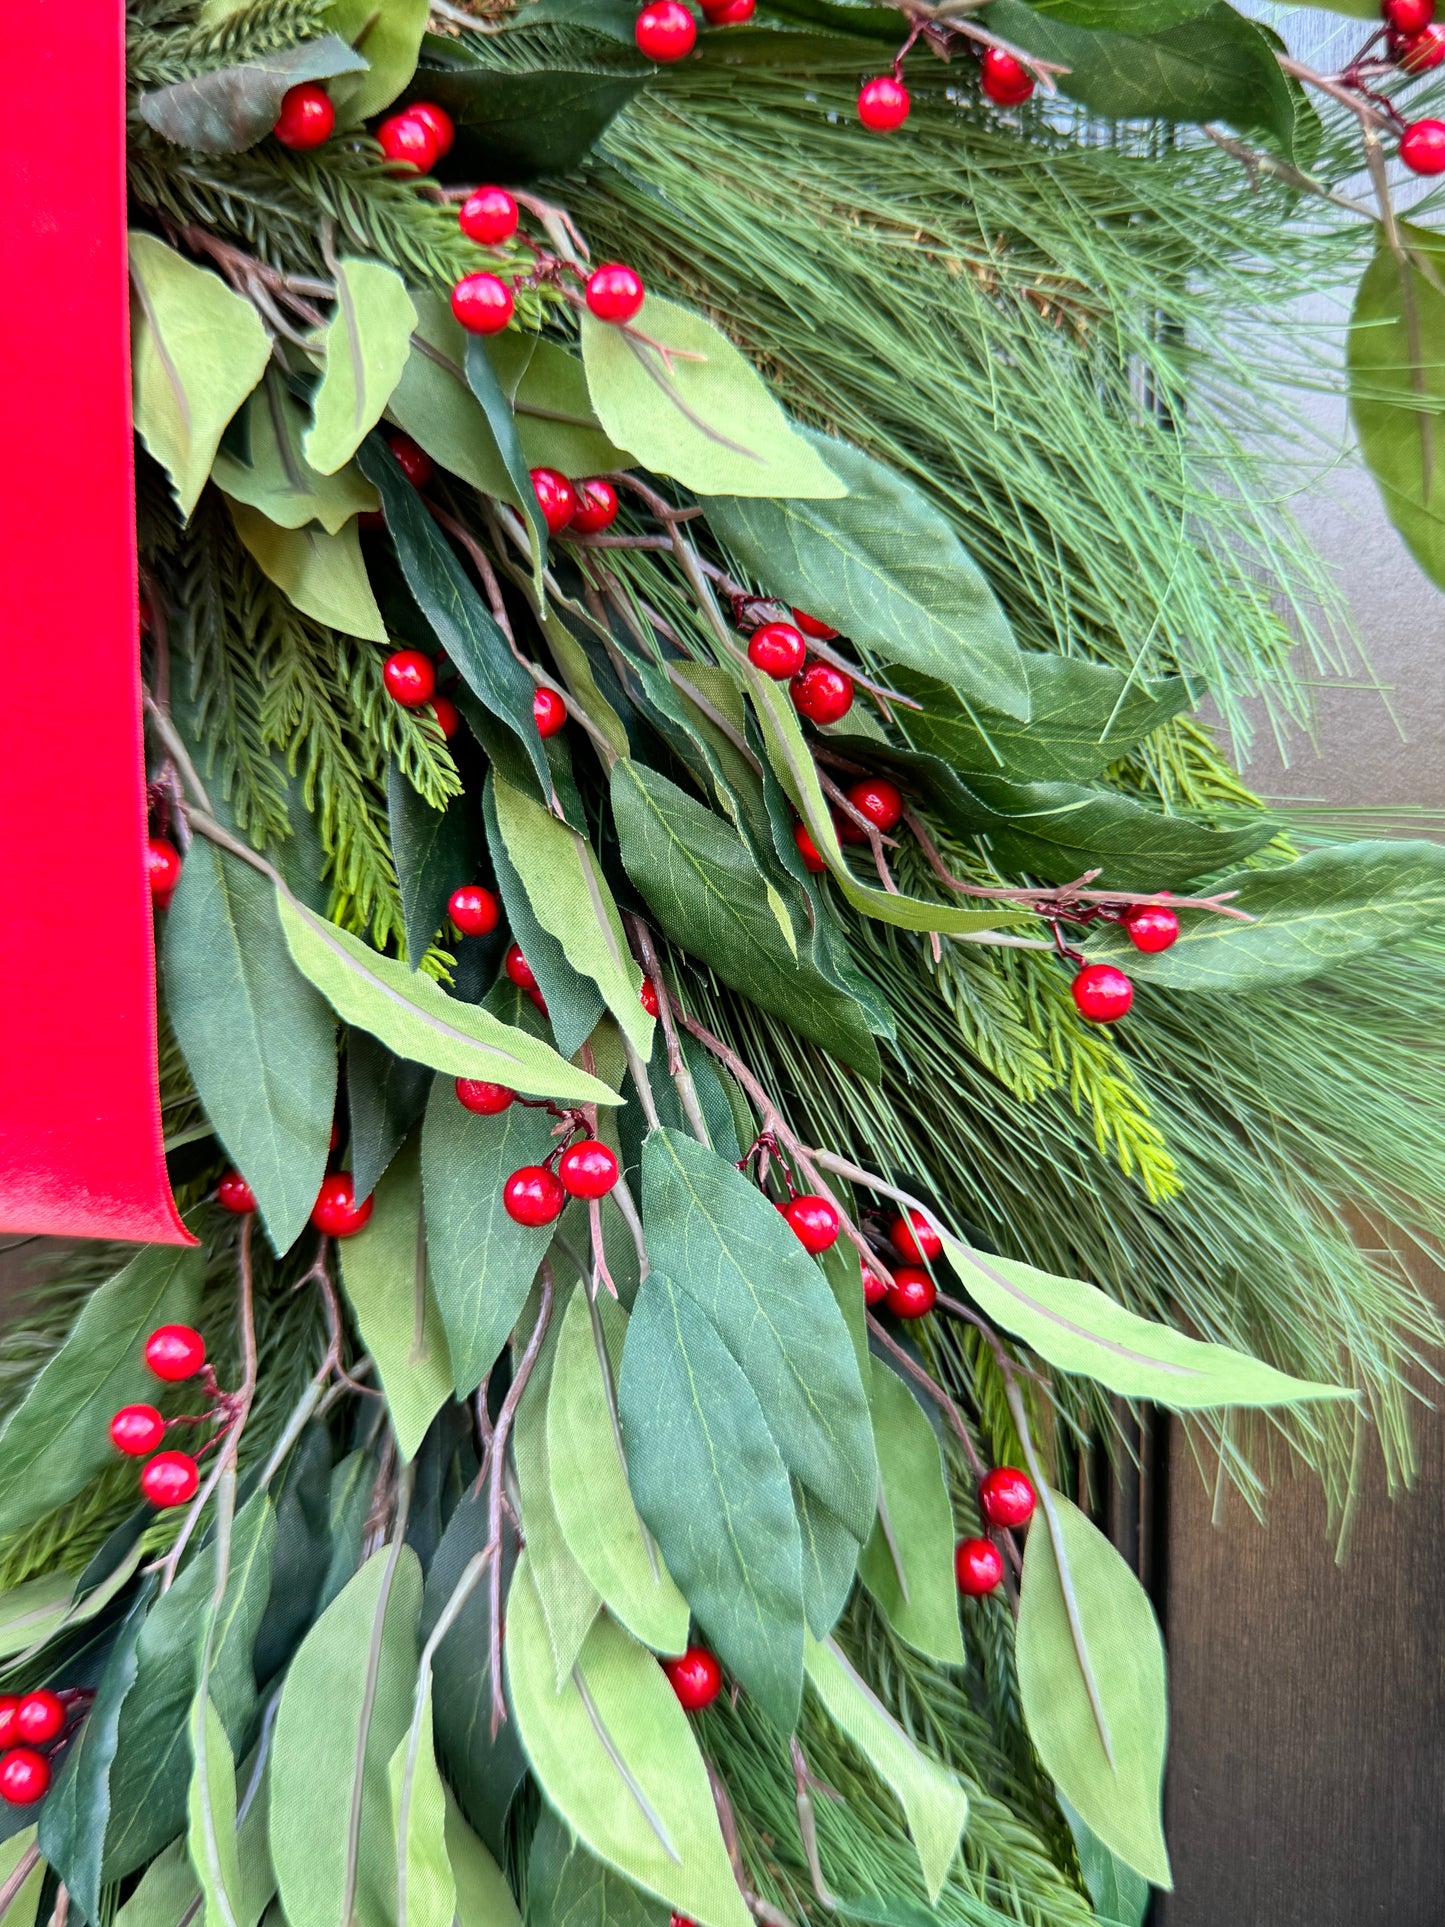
{"x":299,"y":1494}
{"x":612,"y":18}
{"x":435,"y":853}
{"x":231,"y":108}
{"x":386,"y":1095}
{"x":830,"y":1560}
{"x":1120,"y":1896}
{"x":348,"y":1506}
{"x":484,"y":384}
{"x":514,"y":124}
{"x":568,"y":1887}
{"x":708,"y":1480}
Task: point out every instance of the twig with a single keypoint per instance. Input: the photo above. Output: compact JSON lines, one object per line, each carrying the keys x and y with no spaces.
{"x":498,"y":1454}
{"x":676,"y":1062}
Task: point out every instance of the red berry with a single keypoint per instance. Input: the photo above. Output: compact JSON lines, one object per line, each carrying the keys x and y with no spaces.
{"x":489,"y":216}
{"x":647,"y":997}
{"x":40,"y":1716}
{"x":1101,"y":993}
{"x":808,"y":849}
{"x":486,"y":1100}
{"x":681,"y":1920}
{"x":1151,"y":926}
{"x":533,"y":1196}
{"x":163,"y":869}
{"x":1006,"y":81}
{"x":977,"y":1567}
{"x":665,"y":30}
{"x":912,"y":1292}
{"x":448,"y":716}
{"x":482,"y":303}
{"x":1408,"y":16}
{"x":914,"y":1237}
{"x":1417,"y":53}
{"x":407,"y":137}
{"x":556,"y":498}
{"x":474,"y":910}
{"x":596,"y":506}
{"x":410,"y":678}
{"x":778,"y":649}
{"x":810,"y":626}
{"x":234,"y":1194}
{"x":306,"y":118}
{"x":416,"y":465}
{"x":24,"y":1777}
{"x":877,"y":799}
{"x":170,"y":1478}
{"x":814,"y":1220}
{"x":174,"y":1352}
{"x":883,"y":104}
{"x":875,"y":1287}
{"x":614,"y":291}
{"x":518,"y":970}
{"x":549,"y":712}
{"x":442,"y":126}
{"x":696,"y":1678}
{"x":1422,"y":147}
{"x":587,"y":1169}
{"x":1006,"y":1496}
{"x":536,"y":998}
{"x":135,"y":1430}
{"x":9,"y":1707}
{"x":336,"y":1212}
{"x":822,"y":693}
{"x":732,"y":13}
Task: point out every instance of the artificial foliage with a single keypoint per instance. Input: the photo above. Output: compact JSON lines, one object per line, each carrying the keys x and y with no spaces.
{"x":726,"y":1018}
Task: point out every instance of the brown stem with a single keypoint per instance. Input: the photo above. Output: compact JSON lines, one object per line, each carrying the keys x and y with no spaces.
{"x":498,"y":1457}
{"x":676,"y":1063}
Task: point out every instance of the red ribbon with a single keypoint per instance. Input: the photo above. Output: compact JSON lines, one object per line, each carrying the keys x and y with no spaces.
{"x":80,"y":1127}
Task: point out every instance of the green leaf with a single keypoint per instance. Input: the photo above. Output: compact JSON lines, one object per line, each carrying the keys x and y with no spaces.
{"x":708,"y":1479}
{"x":344,"y":1710}
{"x":704,"y":888}
{"x":883,"y":565}
{"x":322,"y":575}
{"x":935,"y":1805}
{"x":709,"y":420}
{"x":1116,"y":1789}
{"x":435,"y":851}
{"x":278,"y":480}
{"x":1082,"y":716}
{"x":483,"y":1897}
{"x":258,"y":1040}
{"x":196,"y":352}
{"x":570,"y":899}
{"x":588,"y":1479}
{"x":58,"y":1437}
{"x":384,"y":1270}
{"x":415,"y":1019}
{"x":389,"y":33}
{"x":547,"y":387}
{"x":569,"y":1887}
{"x":21,"y":1910}
{"x":907,"y":1564}
{"x":212,"y":1815}
{"x":1310,"y":916}
{"x":31,"y":1612}
{"x":732,"y":1252}
{"x":485,"y":384}
{"x":386,"y":1096}
{"x":1120,"y":1896}
{"x":614,"y":1754}
{"x":168,"y":1894}
{"x":574,"y":1004}
{"x":830,"y":1561}
{"x":515,"y":124}
{"x":300,"y":1493}
{"x":1123,"y":16}
{"x":1077,"y":1328}
{"x":366,"y":346}
{"x":231,"y":108}
{"x":426,"y":1893}
{"x":437,"y":408}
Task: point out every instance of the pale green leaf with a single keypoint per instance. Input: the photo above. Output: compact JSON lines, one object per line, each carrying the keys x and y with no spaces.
{"x":322,"y":574}
{"x":389,"y":34}
{"x":278,"y":480}
{"x":483,"y":1897}
{"x":31,"y":1612}
{"x":907,"y":1564}
{"x":365,"y":349}
{"x":21,"y":1911}
{"x":426,"y":1894}
{"x":212,"y":1815}
{"x":437,"y":408}
{"x":556,"y":425}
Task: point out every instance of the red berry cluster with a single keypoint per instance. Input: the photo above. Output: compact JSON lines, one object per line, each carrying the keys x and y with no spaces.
{"x":585,"y":508}
{"x":410,"y":676}
{"x":821,"y":690}
{"x":813,"y":1220}
{"x":1102,"y":992}
{"x":420,"y":135}
{"x":911,"y":1292}
{"x":884,"y":102}
{"x":535,"y":1194}
{"x":175,"y":1353}
{"x":32,"y":1726}
{"x":1006,"y":1498}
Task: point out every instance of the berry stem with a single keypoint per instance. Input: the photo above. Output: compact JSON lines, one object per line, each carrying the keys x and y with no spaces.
{"x":676,"y":1063}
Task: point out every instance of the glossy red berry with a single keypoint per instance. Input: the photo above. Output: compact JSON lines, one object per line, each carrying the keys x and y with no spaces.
{"x":808,"y":849}
{"x":822,"y":693}
{"x":665,"y":30}
{"x":40,"y":1717}
{"x":696,"y":1678}
{"x":912,"y":1292}
{"x":533,"y":1196}
{"x":732,"y":13}
{"x":681,"y":1920}
{"x":307,"y":117}
{"x":234,"y":1194}
{"x":977,"y":1566}
{"x":486,"y":1100}
{"x":163,"y":869}
{"x":1422,"y":147}
{"x":415,"y":464}
{"x":443,"y":127}
{"x":596,"y":506}
{"x":876,"y":799}
{"x":1408,"y":16}
{"x":135,"y":1430}
{"x":474,"y":910}
{"x":170,"y":1478}
{"x":815,"y":1222}
{"x":448,"y":716}
{"x":556,"y":498}
{"x":517,"y":969}
{"x":488,"y":217}
{"x":175,"y":1352}
{"x":1151,"y":926}
{"x":482,"y":303}
{"x":914,"y":1238}
{"x":883,"y":104}
{"x":9,"y":1707}
{"x":1419,"y":52}
{"x":410,"y":678}
{"x":1101,"y":993}
{"x":407,"y":137}
{"x":336,"y":1211}
{"x":614,"y":292}
{"x":24,"y":1777}
{"x":875,"y":1288}
{"x":1005,"y":80}
{"x":1006,"y":1496}
{"x":778,"y":649}
{"x":549,"y":712}
{"x":811,"y":626}
{"x":647,"y":997}
{"x":587,"y":1169}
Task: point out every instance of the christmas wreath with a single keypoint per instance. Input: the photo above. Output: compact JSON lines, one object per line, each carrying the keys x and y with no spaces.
{"x":725,"y":1022}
